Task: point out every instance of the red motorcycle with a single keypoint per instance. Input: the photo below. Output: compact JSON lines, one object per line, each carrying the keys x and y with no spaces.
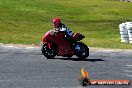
{"x":56,"y":43}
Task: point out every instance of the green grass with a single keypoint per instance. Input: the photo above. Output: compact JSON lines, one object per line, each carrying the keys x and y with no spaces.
{"x":25,"y":21}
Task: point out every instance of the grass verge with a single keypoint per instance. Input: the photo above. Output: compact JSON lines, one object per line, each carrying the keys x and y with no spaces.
{"x":25,"y":21}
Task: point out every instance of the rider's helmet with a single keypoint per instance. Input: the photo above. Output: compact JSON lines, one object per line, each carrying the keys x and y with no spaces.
{"x":56,"y":22}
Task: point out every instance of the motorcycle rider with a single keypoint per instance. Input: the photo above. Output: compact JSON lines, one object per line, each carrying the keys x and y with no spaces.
{"x":60,"y":27}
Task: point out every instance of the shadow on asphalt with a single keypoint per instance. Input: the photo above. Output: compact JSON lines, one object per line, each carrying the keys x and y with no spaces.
{"x":77,"y":59}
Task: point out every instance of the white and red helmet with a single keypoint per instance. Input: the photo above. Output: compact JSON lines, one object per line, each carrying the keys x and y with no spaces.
{"x":56,"y":22}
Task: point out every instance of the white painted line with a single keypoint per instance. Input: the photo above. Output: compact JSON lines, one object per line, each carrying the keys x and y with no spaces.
{"x":9,"y":46}
{"x":30,"y":47}
{"x":126,"y":74}
{"x":17,"y":47}
{"x":100,"y":73}
{"x":109,"y":50}
{"x":128,"y":71}
{"x":128,"y":65}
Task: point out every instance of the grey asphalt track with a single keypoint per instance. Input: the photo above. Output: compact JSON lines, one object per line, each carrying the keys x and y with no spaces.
{"x":28,"y":68}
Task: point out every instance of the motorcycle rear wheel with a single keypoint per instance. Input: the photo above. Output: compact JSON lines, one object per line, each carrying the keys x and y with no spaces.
{"x":83,"y":52}
{"x":48,"y":52}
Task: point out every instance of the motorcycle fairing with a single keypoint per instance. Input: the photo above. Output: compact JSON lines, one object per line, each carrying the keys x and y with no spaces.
{"x":63,"y":46}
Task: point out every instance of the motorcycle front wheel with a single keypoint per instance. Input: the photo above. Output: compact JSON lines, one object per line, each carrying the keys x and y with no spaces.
{"x":48,"y":52}
{"x":83,"y":52}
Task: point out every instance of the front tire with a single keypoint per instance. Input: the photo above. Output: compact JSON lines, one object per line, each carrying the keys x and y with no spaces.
{"x":83,"y":52}
{"x":48,"y":52}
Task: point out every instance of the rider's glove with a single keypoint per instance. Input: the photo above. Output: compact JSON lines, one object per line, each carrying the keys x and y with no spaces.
{"x":52,"y":32}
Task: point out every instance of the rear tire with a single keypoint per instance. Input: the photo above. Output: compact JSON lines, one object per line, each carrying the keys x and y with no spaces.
{"x":83,"y":52}
{"x":48,"y":52}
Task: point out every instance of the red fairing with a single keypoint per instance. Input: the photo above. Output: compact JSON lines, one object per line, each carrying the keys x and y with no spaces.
{"x":64,"y":47}
{"x":46,"y":37}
